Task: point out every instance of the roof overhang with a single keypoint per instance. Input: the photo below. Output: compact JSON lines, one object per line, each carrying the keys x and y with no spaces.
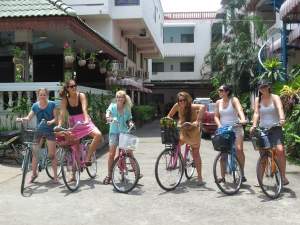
{"x":59,"y":24}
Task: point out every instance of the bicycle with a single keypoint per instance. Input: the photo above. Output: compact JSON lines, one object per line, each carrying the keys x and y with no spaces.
{"x":43,"y":161}
{"x":227,"y":169}
{"x":73,"y":160}
{"x":267,"y":169}
{"x":170,"y":164}
{"x":11,"y":146}
{"x":125,"y":168}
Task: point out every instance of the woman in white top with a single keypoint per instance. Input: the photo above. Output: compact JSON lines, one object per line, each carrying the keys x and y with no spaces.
{"x":268,"y":110}
{"x":228,"y":111}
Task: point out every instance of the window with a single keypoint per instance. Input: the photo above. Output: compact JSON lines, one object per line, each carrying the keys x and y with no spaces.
{"x":171,"y":39}
{"x":187,"y":38}
{"x":131,"y":51}
{"x":172,"y":67}
{"x":187,"y":67}
{"x":127,"y":2}
{"x":157,"y":67}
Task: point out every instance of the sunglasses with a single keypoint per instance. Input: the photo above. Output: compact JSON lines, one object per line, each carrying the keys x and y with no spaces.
{"x":220,"y":90}
{"x":263,"y":86}
{"x":182,"y":100}
{"x":72,"y":86}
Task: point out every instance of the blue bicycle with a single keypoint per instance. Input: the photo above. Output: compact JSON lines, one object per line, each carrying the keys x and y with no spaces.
{"x":227,"y":169}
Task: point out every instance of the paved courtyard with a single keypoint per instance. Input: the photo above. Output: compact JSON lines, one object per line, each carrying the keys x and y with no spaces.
{"x":95,"y":203}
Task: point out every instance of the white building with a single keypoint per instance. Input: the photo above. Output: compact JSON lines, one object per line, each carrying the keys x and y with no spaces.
{"x":135,"y":26}
{"x":187,"y":38}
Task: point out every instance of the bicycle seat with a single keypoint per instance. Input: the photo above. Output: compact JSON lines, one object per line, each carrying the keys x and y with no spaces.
{"x":9,"y":134}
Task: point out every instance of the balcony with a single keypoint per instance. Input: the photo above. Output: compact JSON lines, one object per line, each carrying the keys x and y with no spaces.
{"x":179,"y":50}
{"x":175,"y":76}
{"x":189,"y":15}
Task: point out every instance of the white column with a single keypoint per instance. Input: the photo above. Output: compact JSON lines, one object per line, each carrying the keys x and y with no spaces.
{"x":132,"y":96}
{"x":1,"y":101}
{"x":19,"y":97}
{"x":28,"y":94}
{"x":10,"y":100}
{"x":139,"y":97}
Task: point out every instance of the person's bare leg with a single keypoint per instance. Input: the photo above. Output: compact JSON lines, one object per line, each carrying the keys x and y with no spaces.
{"x":280,"y":153}
{"x":52,"y":155}
{"x":96,"y":135}
{"x":197,"y":161}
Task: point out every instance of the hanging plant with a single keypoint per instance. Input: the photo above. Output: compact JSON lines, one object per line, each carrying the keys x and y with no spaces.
{"x":69,"y":53}
{"x":103,"y":65}
{"x":82,"y":58}
{"x":92,"y":61}
{"x":18,"y":55}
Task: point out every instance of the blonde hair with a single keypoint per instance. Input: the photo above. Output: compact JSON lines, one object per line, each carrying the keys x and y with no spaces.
{"x":128,"y":103}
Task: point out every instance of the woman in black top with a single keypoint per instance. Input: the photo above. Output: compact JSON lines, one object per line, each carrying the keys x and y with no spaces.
{"x":76,"y":105}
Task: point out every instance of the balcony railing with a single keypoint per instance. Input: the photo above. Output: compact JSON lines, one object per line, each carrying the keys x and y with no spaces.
{"x":11,"y":94}
{"x":189,"y":15}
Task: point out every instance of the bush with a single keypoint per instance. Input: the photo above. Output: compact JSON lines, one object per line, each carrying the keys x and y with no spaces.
{"x":143,"y":113}
{"x":97,"y":107}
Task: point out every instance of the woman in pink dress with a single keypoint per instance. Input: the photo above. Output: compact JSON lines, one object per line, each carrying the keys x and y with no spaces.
{"x":76,"y":104}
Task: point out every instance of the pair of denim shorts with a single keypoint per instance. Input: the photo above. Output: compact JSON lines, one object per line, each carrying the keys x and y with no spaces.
{"x":48,"y":135}
{"x":114,"y":139}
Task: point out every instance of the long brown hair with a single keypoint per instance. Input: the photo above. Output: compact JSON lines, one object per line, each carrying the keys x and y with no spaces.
{"x":64,"y":91}
{"x":187,"y":112}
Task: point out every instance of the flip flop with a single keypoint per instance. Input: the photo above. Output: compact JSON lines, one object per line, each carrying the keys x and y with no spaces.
{"x":32,"y":179}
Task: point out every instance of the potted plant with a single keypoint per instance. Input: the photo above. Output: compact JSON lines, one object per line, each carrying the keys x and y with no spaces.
{"x":18,"y":54}
{"x":92,"y":60}
{"x":103,"y":65}
{"x":68,"y":53}
{"x":82,"y":58}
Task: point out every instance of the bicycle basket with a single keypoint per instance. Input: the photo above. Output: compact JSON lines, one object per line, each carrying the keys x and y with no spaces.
{"x":29,"y":135}
{"x":260,"y":141}
{"x":223,"y":142}
{"x":169,"y":135}
{"x":128,"y":141}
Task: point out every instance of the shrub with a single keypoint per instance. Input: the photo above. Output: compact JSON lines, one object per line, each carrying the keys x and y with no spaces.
{"x":143,"y":113}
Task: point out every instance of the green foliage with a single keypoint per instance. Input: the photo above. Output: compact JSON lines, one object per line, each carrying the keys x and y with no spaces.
{"x":68,"y":50}
{"x":274,"y":70}
{"x":22,"y":108}
{"x":92,"y":58}
{"x":18,"y":52}
{"x":143,"y":113}
{"x":8,"y":123}
{"x":82,"y":54}
{"x":97,"y":107}
{"x":291,"y":133}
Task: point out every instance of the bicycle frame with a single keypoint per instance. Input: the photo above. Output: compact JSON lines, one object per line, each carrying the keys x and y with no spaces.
{"x":173,"y":161}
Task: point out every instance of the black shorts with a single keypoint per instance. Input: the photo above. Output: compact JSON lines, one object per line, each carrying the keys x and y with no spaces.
{"x":275,"y":136}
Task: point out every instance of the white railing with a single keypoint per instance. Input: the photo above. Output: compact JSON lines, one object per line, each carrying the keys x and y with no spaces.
{"x":13,"y":92}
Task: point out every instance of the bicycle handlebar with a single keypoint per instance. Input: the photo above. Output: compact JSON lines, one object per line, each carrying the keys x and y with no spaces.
{"x":59,"y":128}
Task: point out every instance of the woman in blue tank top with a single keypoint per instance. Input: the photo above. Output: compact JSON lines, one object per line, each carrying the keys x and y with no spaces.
{"x":44,"y":110}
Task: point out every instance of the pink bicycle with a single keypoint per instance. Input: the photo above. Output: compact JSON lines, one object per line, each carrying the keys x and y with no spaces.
{"x":171,"y":164}
{"x":73,"y":160}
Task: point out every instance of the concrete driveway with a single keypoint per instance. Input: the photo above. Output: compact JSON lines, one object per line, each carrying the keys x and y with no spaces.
{"x":95,"y":203}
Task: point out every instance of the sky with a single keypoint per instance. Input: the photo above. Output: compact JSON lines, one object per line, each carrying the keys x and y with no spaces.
{"x":190,"y":5}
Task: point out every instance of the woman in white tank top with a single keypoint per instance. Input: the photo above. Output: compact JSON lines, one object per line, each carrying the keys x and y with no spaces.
{"x":228,"y":111}
{"x":268,"y":110}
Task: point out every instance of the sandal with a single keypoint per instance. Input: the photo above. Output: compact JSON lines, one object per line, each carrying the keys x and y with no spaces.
{"x":221,"y":180}
{"x":88,"y":163}
{"x":32,"y":179}
{"x":107,"y":180}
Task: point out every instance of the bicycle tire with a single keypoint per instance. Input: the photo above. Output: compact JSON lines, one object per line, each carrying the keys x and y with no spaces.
{"x":189,"y":166}
{"x":92,"y":170}
{"x":278,"y":178}
{"x":179,"y":164}
{"x":48,"y":167}
{"x":228,"y":186}
{"x":120,"y":167}
{"x":70,"y":169}
{"x":25,"y":168}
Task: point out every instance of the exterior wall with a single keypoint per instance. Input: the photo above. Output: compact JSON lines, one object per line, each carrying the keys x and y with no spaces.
{"x":199,"y":49}
{"x":104,"y":26}
{"x":90,"y":7}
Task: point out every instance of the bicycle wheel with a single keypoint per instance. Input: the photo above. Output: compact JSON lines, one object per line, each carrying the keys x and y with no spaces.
{"x":25,"y":168}
{"x":19,"y":152}
{"x":269,"y":176}
{"x":48,"y":167}
{"x":125,"y":173}
{"x":169,"y":169}
{"x":189,"y":166}
{"x":92,"y":170}
{"x":70,"y":171}
{"x":227,"y":173}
